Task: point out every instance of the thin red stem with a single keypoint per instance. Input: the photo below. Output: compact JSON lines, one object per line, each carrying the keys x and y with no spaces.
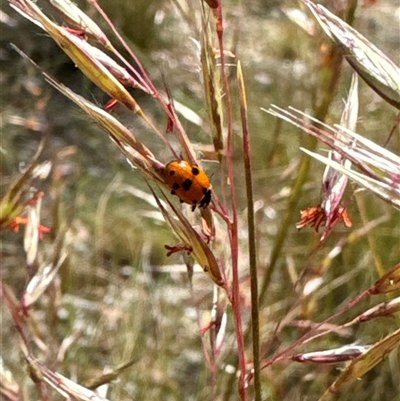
{"x":233,"y":228}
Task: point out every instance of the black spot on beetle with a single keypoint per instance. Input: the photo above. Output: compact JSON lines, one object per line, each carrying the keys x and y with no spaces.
{"x":186,"y":185}
{"x":175,"y":186}
{"x":195,"y":171}
{"x":172,"y":172}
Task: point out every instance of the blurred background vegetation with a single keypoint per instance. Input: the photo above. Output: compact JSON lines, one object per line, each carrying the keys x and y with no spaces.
{"x":118,"y":297}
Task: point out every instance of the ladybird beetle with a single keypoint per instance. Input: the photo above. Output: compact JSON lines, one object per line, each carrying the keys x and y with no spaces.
{"x":189,"y":182}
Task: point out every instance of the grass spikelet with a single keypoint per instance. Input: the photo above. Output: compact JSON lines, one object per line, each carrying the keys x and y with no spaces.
{"x":389,"y":282}
{"x":64,"y":386}
{"x":212,"y":86}
{"x":365,"y":362}
{"x":20,"y":195}
{"x":44,"y":275}
{"x":377,"y":70}
{"x":84,"y":56}
{"x":193,"y":241}
{"x":76,"y":18}
{"x":379,"y":167}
